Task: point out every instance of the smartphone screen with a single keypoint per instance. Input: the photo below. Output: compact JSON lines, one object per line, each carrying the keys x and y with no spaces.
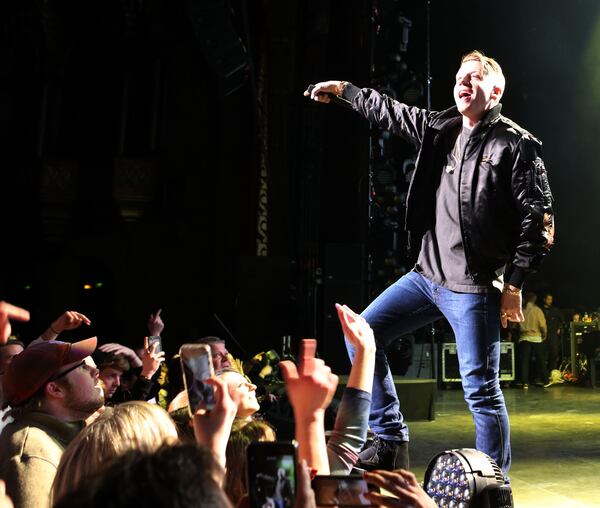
{"x":272,"y":474}
{"x":196,"y":365}
{"x":155,"y":339}
{"x":341,"y":490}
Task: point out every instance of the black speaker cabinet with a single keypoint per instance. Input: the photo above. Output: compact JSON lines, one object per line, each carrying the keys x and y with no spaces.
{"x":450,"y":370}
{"x":417,"y":396}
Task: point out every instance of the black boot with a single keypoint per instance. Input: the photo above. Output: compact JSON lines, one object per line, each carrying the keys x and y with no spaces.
{"x":384,"y":454}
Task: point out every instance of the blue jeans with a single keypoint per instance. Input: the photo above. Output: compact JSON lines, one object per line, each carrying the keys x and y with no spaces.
{"x":412,"y":302}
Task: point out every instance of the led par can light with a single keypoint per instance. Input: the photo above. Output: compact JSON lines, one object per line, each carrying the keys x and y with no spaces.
{"x":466,"y":478}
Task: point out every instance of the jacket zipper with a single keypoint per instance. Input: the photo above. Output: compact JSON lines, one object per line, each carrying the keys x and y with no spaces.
{"x":460,"y":214}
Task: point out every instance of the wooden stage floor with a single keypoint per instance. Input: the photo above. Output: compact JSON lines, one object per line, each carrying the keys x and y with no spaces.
{"x":555,"y":434}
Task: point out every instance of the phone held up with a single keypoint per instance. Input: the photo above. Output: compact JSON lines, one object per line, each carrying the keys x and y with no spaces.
{"x":342,"y":490}
{"x":272,"y":473}
{"x":197,"y":366}
{"x":155,"y":339}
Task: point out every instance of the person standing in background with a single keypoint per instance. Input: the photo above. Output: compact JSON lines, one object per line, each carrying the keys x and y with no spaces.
{"x":533,"y":334}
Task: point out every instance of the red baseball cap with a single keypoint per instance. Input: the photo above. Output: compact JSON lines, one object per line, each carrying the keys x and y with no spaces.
{"x":34,"y":366}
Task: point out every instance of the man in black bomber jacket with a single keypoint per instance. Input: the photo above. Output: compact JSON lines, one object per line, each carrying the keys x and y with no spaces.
{"x":480,"y":207}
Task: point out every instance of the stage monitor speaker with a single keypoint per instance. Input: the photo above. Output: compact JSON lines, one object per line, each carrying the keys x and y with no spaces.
{"x":417,"y":396}
{"x":450,"y":368}
{"x":410,"y":359}
{"x":422,"y":365}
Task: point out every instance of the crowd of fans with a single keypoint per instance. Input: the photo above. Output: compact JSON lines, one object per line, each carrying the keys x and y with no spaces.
{"x":93,"y":425}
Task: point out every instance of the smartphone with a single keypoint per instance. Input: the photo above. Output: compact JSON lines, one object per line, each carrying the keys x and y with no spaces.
{"x":155,"y":339}
{"x":342,"y":490}
{"x":272,"y":474}
{"x":197,"y":366}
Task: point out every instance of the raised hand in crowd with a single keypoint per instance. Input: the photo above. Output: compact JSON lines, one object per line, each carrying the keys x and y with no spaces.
{"x":310,"y":385}
{"x":310,"y":388}
{"x":155,"y":323}
{"x":151,"y":359}
{"x":119,"y":349}
{"x":355,"y":328}
{"x":360,"y":336}
{"x":8,"y":312}
{"x":69,"y":320}
{"x":400,"y":483}
{"x":212,"y":428}
{"x":349,"y":433}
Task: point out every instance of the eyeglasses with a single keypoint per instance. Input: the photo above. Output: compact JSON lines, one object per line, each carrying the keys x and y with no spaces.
{"x":58,"y":376}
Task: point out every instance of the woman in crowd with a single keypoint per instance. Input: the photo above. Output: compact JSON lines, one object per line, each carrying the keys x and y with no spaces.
{"x":349,"y":434}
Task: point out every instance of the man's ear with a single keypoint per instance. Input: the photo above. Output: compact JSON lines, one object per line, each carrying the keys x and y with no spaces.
{"x":497,"y":93}
{"x":54,"y":390}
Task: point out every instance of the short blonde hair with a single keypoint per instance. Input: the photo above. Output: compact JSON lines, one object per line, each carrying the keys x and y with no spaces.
{"x":490,"y":66}
{"x":131,"y":425}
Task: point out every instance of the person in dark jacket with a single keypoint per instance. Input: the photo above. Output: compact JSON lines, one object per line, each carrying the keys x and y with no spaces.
{"x":555,"y":322}
{"x":480,"y":207}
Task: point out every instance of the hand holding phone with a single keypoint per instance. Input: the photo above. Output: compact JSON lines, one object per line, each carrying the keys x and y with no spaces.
{"x":213,"y":428}
{"x":272,"y":474}
{"x":401,"y":484}
{"x":197,"y":367}
{"x":155,"y":339}
{"x":342,"y":490}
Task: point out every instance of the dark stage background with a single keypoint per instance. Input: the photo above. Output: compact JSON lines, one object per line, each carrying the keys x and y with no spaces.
{"x":135,"y":148}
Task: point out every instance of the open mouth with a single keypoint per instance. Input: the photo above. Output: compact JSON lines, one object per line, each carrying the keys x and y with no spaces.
{"x":464,"y":94}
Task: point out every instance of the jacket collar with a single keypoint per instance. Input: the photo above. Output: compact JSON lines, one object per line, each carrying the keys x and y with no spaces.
{"x":60,"y":430}
{"x":489,"y":118}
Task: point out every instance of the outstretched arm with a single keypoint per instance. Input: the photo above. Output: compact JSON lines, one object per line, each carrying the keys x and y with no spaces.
{"x":212,"y":428}
{"x":358,"y":332}
{"x":310,"y":388}
{"x":321,"y":91}
{"x":8,"y":312}
{"x":69,"y":320}
{"x":352,"y":421}
{"x":386,"y":113}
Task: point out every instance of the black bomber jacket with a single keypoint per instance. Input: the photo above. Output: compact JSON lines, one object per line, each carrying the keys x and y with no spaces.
{"x":506,"y":218}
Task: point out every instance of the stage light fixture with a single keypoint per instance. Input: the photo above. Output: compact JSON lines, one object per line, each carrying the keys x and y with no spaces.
{"x":466,"y":478}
